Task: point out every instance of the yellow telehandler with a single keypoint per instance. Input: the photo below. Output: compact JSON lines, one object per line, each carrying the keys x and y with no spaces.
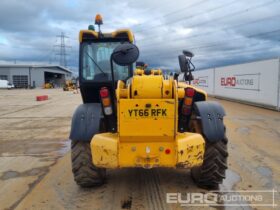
{"x":69,"y":85}
{"x":133,"y":118}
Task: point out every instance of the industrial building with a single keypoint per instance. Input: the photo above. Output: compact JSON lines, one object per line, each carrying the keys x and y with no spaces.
{"x":33,"y":76}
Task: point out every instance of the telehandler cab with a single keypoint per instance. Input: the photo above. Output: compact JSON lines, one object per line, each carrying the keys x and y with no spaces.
{"x":131,"y":118}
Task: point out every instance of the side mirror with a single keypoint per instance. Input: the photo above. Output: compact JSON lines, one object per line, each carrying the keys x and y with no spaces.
{"x":188,"y":53}
{"x":125,"y":54}
{"x":183,"y":62}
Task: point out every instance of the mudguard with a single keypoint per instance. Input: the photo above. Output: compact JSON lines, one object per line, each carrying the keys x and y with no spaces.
{"x":211,"y":115}
{"x":85,"y":122}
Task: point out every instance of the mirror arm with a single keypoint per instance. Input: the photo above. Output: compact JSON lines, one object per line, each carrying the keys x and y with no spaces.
{"x":192,"y":65}
{"x":188,"y":76}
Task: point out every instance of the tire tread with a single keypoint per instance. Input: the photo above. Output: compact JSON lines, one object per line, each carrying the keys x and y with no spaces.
{"x":212,"y":171}
{"x":84,"y":172}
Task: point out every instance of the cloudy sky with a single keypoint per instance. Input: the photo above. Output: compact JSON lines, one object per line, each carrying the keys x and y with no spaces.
{"x":219,"y":32}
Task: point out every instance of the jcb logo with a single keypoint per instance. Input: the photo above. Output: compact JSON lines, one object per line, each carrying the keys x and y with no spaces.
{"x":147,"y":112}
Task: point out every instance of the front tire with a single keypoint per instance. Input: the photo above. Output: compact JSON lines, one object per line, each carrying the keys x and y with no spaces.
{"x":85,"y":173}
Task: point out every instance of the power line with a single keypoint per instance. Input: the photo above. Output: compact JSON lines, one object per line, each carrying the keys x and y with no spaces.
{"x":149,"y":11}
{"x":244,"y":52}
{"x":241,"y":52}
{"x":238,"y":51}
{"x":188,"y":17}
{"x":217,"y":44}
{"x":224,"y":28}
{"x":217,"y":19}
{"x":244,"y":36}
{"x":213,"y":45}
{"x":172,"y":13}
{"x":227,"y":55}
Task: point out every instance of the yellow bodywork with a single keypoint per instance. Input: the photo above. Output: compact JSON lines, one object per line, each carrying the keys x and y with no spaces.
{"x":69,"y":86}
{"x":94,"y":34}
{"x":48,"y":86}
{"x":108,"y":151}
{"x":147,"y":110}
{"x":137,"y":121}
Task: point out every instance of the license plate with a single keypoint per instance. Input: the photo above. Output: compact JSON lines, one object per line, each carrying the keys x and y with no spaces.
{"x":147,"y":112}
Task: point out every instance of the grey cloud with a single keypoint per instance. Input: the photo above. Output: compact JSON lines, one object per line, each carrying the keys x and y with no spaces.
{"x":163,"y":28}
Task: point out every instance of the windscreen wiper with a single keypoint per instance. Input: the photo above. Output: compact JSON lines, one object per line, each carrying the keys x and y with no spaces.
{"x":95,"y":63}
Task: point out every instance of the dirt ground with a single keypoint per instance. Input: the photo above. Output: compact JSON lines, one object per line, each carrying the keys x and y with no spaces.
{"x":35,"y":168}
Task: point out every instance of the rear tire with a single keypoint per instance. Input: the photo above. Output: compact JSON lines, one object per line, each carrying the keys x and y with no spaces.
{"x":212,"y":172}
{"x":85,"y":173}
{"x":213,"y":169}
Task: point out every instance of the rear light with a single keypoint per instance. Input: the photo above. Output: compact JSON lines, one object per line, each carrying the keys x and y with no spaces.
{"x":106,"y":101}
{"x":104,"y":92}
{"x":189,"y":92}
{"x":188,"y":101}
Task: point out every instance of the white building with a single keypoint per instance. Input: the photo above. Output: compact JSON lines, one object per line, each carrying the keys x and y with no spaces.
{"x":26,"y":76}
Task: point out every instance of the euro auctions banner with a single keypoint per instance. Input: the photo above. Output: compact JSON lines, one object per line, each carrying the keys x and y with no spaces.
{"x":255,"y":82}
{"x":201,"y":81}
{"x":204,"y":79}
{"x":242,"y":81}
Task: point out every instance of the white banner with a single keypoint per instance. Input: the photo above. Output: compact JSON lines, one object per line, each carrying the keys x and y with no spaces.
{"x":242,"y":81}
{"x":255,"y":82}
{"x":204,"y":79}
